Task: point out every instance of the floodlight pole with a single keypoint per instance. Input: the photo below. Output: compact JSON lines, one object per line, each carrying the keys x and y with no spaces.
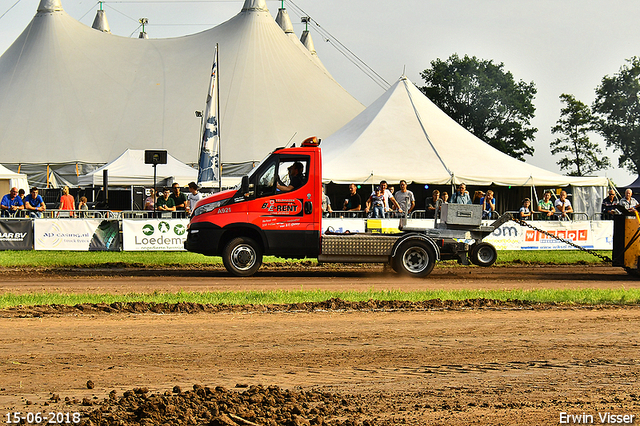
{"x":155,"y":191}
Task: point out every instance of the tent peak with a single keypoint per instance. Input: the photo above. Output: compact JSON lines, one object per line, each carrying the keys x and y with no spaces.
{"x":284,"y":21}
{"x":50,"y":6}
{"x":258,"y":5}
{"x":100,"y":22}
{"x":308,"y":42}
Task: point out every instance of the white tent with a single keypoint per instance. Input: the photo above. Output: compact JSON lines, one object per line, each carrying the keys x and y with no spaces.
{"x":71,"y":94}
{"x":403,"y":135}
{"x":9,"y":179}
{"x":129,"y":169}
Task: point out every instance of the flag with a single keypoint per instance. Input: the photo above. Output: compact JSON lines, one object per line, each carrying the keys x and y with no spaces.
{"x":210,"y":144}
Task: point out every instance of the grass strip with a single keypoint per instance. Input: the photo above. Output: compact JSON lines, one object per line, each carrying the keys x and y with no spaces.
{"x":52,"y":259}
{"x":565,"y":296}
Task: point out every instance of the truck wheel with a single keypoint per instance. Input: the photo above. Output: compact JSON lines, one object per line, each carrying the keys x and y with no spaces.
{"x":242,"y":257}
{"x":415,"y":259}
{"x":483,"y":254}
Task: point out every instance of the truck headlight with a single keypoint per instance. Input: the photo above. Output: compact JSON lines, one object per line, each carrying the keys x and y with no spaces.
{"x":209,"y":207}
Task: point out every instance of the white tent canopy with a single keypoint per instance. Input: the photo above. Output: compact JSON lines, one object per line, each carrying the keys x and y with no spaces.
{"x":403,"y":135}
{"x":9,"y":179}
{"x":93,"y":94}
{"x":129,"y":169}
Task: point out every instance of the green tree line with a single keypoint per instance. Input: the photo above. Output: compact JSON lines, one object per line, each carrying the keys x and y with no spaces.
{"x":487,"y":100}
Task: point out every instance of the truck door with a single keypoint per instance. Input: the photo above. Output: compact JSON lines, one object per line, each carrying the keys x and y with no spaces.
{"x":284,"y":206}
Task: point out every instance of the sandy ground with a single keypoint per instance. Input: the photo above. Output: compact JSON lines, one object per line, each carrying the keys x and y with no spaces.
{"x":496,"y":365}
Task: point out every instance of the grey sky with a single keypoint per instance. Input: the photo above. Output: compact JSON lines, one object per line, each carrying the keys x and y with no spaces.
{"x":564,"y":46}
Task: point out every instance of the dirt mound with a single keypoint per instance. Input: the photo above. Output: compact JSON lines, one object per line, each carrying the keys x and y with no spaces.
{"x":333,"y":304}
{"x":257,"y":405}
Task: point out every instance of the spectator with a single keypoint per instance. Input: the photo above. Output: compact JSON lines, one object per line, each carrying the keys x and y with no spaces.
{"x":376,"y":202}
{"x":545,"y":206}
{"x":165,"y":203}
{"x":628,"y":202}
{"x":388,"y":197}
{"x":609,"y":206}
{"x":34,"y":204}
{"x":405,"y":198}
{"x":461,"y":196}
{"x":193,"y":197}
{"x":326,"y":202}
{"x":445,"y":197}
{"x":66,"y":201}
{"x":179,"y":199}
{"x":563,"y":206}
{"x":477,"y":197}
{"x":488,"y":205}
{"x":83,"y":207}
{"x":21,"y":194}
{"x":11,"y":203}
{"x":525,"y":210}
{"x":353,"y":202}
{"x":296,"y":171}
{"x":431,"y":204}
{"x":150,"y":201}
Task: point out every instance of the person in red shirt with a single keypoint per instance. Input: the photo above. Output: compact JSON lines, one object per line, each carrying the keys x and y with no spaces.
{"x":66,"y":200}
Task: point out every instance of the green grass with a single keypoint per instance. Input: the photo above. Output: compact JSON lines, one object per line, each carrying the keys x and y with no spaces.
{"x":580,"y":296}
{"x":49,"y":259}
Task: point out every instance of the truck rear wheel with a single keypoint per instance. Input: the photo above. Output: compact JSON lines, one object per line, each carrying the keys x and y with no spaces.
{"x":483,"y":254}
{"x":242,"y":257}
{"x":414,"y":258}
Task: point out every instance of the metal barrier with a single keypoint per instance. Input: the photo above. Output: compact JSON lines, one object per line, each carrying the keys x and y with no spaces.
{"x":339,"y":214}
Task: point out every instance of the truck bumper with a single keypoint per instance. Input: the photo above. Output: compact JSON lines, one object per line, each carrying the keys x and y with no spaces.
{"x":204,"y":238}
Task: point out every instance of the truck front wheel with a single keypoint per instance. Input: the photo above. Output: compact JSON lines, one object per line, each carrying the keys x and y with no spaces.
{"x":242,"y":257}
{"x":415,"y":259}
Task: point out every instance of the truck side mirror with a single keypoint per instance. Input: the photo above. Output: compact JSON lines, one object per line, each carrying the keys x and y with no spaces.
{"x":244,"y":186}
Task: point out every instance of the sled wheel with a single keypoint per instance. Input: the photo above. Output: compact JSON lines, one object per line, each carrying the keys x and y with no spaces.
{"x":483,"y":254}
{"x":242,"y":257}
{"x":414,"y":258}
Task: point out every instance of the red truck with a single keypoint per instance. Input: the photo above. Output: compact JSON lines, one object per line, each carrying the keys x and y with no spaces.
{"x":277,"y":211}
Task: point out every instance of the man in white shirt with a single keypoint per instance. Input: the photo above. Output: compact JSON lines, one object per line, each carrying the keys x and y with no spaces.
{"x":563,"y":206}
{"x":388,"y":197}
{"x":193,"y":197}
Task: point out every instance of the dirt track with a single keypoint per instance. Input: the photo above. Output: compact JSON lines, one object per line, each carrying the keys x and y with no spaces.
{"x":488,"y":365}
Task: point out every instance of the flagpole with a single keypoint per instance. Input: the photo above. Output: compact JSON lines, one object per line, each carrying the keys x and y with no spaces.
{"x":219,"y":119}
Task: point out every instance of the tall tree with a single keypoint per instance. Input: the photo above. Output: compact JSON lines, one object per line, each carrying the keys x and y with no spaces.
{"x":583,"y":157}
{"x":485,"y":99}
{"x":617,"y":108}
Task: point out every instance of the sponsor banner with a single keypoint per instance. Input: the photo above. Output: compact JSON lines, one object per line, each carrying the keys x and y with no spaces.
{"x":383,"y":226}
{"x":342,"y":225}
{"x":76,"y":234}
{"x":16,"y":234}
{"x":596,"y":235}
{"x":154,"y":234}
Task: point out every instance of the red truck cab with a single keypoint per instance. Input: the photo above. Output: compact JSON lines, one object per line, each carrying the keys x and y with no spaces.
{"x":275,"y":211}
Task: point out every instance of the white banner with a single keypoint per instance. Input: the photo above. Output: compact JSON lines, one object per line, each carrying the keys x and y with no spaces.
{"x":154,"y":234}
{"x":76,"y":234}
{"x":596,"y":235}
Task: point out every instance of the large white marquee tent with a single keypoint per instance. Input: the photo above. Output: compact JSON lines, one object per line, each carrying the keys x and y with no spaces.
{"x":403,"y":135}
{"x":75,"y":96}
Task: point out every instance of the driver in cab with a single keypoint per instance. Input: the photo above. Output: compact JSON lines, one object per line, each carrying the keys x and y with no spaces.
{"x":295,"y":178}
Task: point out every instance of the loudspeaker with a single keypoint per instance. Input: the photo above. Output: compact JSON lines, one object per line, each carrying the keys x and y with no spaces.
{"x":138,"y":197}
{"x":155,"y":156}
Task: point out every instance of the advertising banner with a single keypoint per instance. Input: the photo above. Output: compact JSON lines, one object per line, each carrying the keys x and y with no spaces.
{"x":16,"y":234}
{"x":596,"y":235}
{"x":154,"y":234}
{"x":76,"y":234}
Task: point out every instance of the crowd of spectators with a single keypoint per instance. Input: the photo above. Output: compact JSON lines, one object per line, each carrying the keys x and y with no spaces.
{"x":383,"y":202}
{"x":16,"y":204}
